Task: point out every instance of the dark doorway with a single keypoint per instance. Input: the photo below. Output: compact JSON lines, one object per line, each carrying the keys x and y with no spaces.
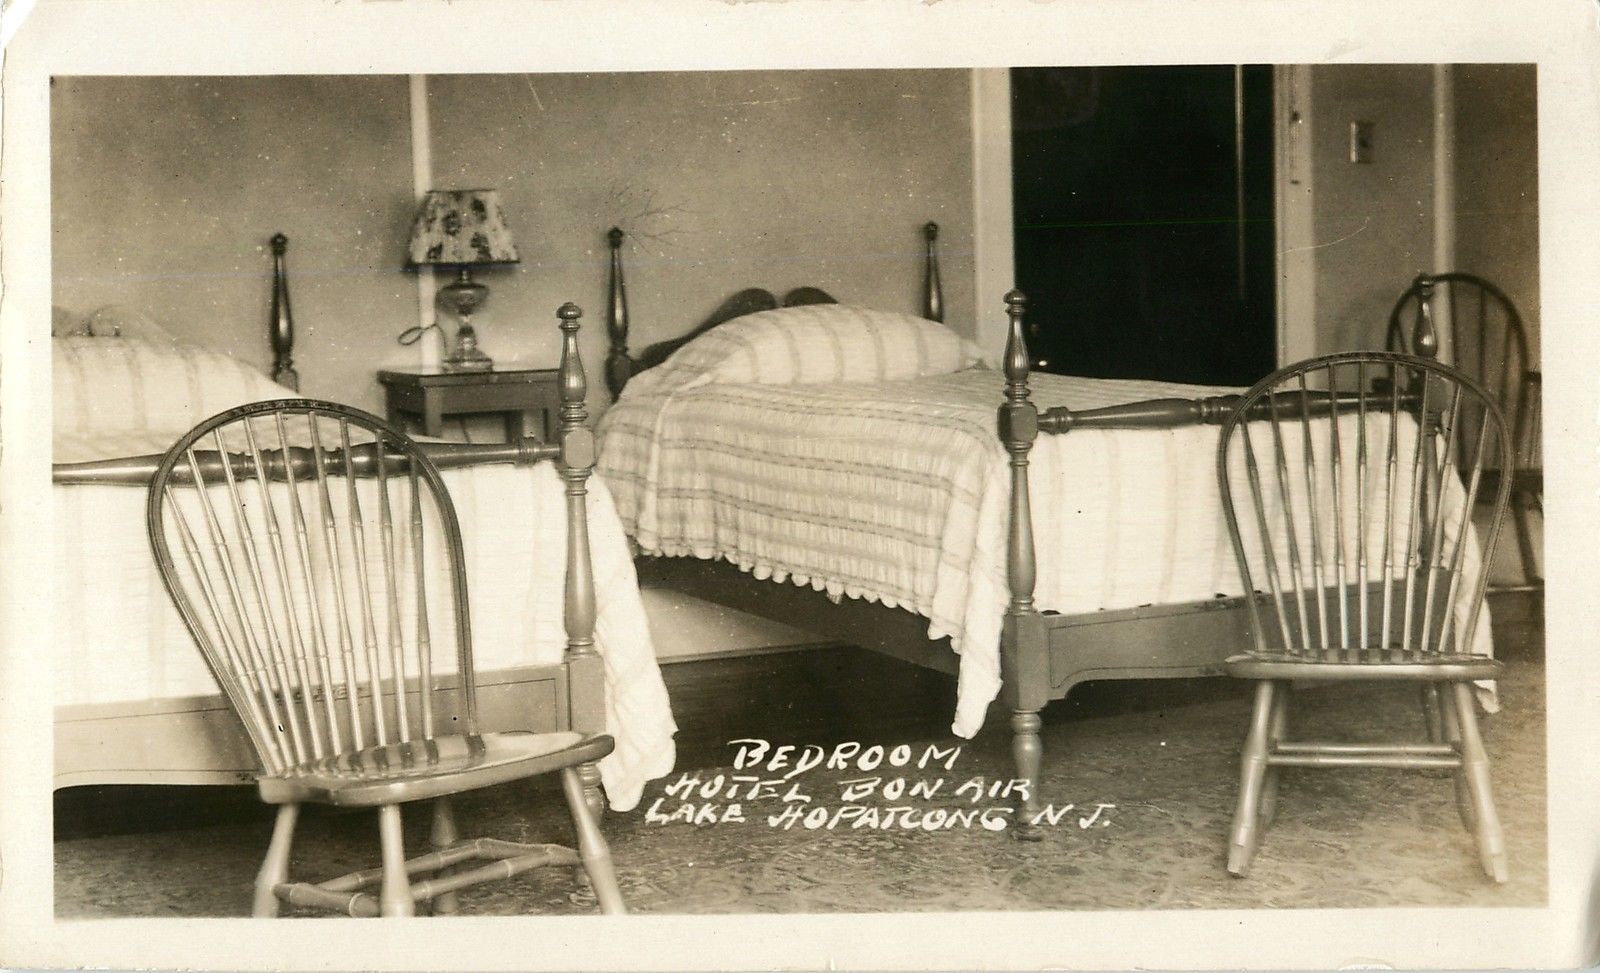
{"x":1144,"y":220}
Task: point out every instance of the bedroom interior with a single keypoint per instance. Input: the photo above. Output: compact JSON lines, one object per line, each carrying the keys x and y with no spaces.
{"x":725,"y":185}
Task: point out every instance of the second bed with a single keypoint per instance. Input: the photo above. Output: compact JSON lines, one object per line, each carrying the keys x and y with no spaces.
{"x":851,"y":455}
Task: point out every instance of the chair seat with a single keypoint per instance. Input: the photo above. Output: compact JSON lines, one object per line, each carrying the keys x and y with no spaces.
{"x":420,"y":769}
{"x":1433,"y":667}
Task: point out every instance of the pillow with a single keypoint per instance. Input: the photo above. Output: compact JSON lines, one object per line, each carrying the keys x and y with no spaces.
{"x":132,"y":385}
{"x":63,"y":322}
{"x":122,"y":321}
{"x":816,"y":343}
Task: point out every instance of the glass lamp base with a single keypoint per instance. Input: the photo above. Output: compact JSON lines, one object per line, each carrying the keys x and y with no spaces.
{"x":481,"y":364}
{"x":466,"y":356}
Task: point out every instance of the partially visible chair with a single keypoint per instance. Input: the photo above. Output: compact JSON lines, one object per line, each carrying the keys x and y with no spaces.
{"x":315,"y":556}
{"x":1350,"y":516}
{"x":1488,"y":341}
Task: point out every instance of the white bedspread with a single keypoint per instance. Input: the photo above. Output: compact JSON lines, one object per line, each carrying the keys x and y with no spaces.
{"x":898,"y":493}
{"x":118,"y":638}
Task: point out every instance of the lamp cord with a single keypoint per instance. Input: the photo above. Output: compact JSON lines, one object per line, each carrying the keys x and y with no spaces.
{"x":413,"y":334}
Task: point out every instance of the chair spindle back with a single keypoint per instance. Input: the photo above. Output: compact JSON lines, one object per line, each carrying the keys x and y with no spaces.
{"x":315,"y":556}
{"x":1348,"y":484}
{"x":1487,"y":341}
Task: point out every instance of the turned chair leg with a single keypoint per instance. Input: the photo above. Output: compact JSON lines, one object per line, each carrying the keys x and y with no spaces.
{"x":592,"y":847}
{"x":442,"y":836}
{"x":1252,"y":775}
{"x":1277,"y":731}
{"x":1452,"y":736}
{"x":275,"y":868}
{"x":1475,"y":760}
{"x":1519,"y":519}
{"x":1432,"y":719}
{"x":394,"y":894}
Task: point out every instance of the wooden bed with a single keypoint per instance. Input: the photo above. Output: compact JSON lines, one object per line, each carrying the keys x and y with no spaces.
{"x":197,"y":739}
{"x":1043,"y":654}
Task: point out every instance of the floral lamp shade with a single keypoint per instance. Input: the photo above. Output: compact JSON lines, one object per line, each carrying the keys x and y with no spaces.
{"x":461,"y":227}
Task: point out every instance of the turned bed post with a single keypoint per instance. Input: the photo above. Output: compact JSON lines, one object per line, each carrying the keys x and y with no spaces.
{"x":619,"y":365}
{"x":282,"y":324}
{"x":577,"y":444}
{"x":1024,"y":650}
{"x":1425,"y":339}
{"x":932,"y":290}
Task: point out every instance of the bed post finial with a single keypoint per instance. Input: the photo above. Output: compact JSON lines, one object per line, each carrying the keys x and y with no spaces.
{"x":281,"y":327}
{"x":577,"y":461}
{"x":1425,"y":339}
{"x":1016,"y":356}
{"x":932,"y":290}
{"x":619,"y":366}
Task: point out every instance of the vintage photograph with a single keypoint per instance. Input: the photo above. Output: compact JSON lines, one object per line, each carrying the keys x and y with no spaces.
{"x":938,"y":484}
{"x":1054,"y":488}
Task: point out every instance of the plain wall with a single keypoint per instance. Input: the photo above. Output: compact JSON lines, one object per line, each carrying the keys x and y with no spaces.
{"x":721,"y":181}
{"x":1373,"y":221}
{"x":166,"y":191}
{"x":1497,"y":181}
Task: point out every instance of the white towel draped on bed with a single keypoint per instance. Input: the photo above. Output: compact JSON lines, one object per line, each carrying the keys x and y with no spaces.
{"x":118,"y":637}
{"x":898,"y":492}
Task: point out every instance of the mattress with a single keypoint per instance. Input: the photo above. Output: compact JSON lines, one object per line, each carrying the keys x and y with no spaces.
{"x":117,"y":636}
{"x":897,"y":492}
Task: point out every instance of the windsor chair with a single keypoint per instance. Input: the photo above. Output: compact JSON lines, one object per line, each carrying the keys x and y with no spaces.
{"x":1350,"y":515}
{"x":315,"y":557}
{"x":1489,"y":342}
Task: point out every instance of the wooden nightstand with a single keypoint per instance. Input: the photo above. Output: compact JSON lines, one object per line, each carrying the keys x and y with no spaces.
{"x":430,"y":395}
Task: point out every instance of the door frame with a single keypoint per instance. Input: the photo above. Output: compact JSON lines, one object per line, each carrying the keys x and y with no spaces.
{"x":994,"y":254}
{"x":1294,"y":198}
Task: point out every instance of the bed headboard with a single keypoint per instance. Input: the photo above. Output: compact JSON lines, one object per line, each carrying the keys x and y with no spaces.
{"x":621,"y":365}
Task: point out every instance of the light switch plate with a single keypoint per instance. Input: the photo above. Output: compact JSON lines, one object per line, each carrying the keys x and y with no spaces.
{"x":1360,"y":141}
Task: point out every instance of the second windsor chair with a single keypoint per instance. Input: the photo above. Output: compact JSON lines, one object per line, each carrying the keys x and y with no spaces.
{"x":1488,"y":340}
{"x":1350,"y":515}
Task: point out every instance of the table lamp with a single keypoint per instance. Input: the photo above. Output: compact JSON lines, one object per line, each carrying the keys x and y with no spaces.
{"x":462,"y":228}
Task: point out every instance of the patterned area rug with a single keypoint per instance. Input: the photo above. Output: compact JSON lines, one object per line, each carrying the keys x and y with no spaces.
{"x":1151,"y":794}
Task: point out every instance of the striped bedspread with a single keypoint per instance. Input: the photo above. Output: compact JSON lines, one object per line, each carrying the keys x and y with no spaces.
{"x":898,"y":493}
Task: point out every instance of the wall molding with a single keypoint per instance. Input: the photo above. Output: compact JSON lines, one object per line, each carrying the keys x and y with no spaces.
{"x":1444,"y":191}
{"x":428,"y":349}
{"x":993,"y":242}
{"x":1295,"y":210}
